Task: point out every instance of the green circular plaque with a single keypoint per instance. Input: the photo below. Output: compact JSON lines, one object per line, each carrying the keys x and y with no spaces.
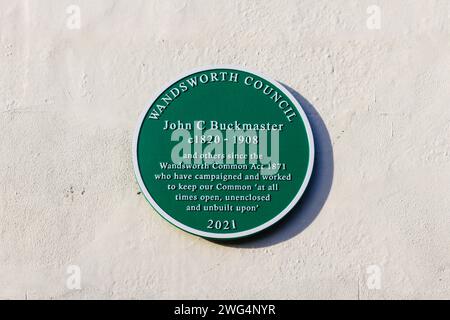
{"x":223,"y":152}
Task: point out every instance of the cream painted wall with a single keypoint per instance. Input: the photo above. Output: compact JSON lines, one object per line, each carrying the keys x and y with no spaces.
{"x":374,"y":224}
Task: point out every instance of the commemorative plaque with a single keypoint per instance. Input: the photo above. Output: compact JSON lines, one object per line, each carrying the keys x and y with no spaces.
{"x":223,"y":152}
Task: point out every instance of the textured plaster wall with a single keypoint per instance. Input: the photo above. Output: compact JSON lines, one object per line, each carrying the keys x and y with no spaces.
{"x":375,"y":222}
